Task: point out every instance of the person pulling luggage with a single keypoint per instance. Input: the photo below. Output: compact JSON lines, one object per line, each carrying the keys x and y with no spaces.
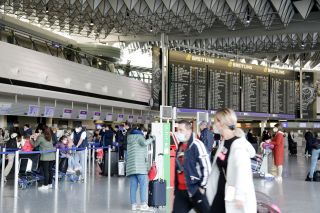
{"x":192,"y":171}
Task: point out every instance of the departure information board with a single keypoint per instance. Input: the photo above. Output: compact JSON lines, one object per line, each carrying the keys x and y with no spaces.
{"x":200,"y":82}
{"x":224,"y":89}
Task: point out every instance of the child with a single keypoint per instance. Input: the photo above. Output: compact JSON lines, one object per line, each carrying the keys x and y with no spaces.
{"x":67,"y":160}
{"x":27,"y":146}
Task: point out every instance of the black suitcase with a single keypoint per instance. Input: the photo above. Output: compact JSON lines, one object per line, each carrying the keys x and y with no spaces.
{"x":157,"y":193}
{"x":293,"y":148}
{"x":114,"y":163}
{"x":316,"y":176}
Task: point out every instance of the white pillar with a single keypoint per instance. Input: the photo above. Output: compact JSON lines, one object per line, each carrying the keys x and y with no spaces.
{"x":164,"y":86}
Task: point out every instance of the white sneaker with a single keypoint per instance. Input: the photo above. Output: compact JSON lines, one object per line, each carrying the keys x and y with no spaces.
{"x":278,"y":179}
{"x":50,"y":186}
{"x":71,"y":171}
{"x":134,"y":207}
{"x":43,"y":188}
{"x":144,"y":207}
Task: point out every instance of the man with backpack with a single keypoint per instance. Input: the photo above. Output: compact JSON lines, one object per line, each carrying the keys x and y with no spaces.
{"x":192,"y":170}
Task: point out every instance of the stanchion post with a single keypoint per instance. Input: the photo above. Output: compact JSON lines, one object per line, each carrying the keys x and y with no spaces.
{"x":109,"y":162}
{"x":16,"y":173}
{"x":56,"y":179}
{"x":85,"y":164}
{"x":93,"y":159}
{"x":89,"y":156}
{"x":2,"y":167}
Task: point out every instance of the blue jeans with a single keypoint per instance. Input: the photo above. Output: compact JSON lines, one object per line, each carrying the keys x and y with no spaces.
{"x":79,"y":159}
{"x":314,"y":160}
{"x":143,"y":181}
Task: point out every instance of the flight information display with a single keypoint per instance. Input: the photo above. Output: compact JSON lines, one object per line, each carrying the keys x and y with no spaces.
{"x":200,"y":82}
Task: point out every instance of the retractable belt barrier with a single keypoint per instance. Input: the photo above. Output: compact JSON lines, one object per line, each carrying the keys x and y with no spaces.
{"x":17,"y":152}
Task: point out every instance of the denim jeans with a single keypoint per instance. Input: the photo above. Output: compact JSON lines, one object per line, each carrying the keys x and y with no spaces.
{"x":71,"y":162}
{"x":142,"y":180}
{"x":314,"y":160}
{"x":79,"y":160}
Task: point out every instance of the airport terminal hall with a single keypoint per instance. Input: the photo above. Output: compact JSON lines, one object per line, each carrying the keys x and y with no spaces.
{"x":169,"y":106}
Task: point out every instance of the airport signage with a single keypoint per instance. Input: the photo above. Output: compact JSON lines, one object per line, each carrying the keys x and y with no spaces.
{"x":33,"y":110}
{"x":109,"y":117}
{"x":83,"y":114}
{"x":48,"y":111}
{"x":67,"y":112}
{"x":96,"y":115}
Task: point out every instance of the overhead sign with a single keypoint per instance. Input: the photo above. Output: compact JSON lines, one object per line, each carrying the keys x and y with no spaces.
{"x":130,"y":118}
{"x":33,"y":110}
{"x":120,"y":117}
{"x":83,"y":114}
{"x":96,"y":115}
{"x":109,"y":117}
{"x":139,"y":120}
{"x":67,"y":112}
{"x":5,"y":109}
{"x":48,"y":111}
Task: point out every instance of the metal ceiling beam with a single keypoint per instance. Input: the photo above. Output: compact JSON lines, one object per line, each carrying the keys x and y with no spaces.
{"x":293,"y":28}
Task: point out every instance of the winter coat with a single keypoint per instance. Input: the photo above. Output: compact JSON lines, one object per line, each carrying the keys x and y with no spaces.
{"x":44,"y":146}
{"x":137,"y":153}
{"x":238,"y":177}
{"x":278,"y":150}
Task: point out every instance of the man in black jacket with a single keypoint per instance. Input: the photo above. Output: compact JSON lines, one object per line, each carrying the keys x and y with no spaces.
{"x":206,"y":136}
{"x":192,"y":171}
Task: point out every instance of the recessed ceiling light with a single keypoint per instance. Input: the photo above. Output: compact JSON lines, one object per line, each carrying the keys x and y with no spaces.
{"x":91,"y":23}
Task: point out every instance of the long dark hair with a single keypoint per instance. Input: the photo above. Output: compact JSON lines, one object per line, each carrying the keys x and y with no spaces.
{"x":47,"y":133}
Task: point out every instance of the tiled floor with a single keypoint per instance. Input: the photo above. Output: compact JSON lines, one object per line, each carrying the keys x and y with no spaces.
{"x":292,"y":195}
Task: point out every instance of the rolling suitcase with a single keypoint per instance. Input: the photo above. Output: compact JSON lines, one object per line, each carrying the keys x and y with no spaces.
{"x":293,"y":148}
{"x":157,"y":193}
{"x":114,"y":163}
{"x":157,"y":188}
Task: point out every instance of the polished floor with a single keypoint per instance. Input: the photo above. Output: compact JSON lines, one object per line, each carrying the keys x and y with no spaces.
{"x":292,"y":195}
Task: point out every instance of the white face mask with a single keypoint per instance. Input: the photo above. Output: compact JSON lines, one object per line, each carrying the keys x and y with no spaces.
{"x":275,"y":129}
{"x":216,"y":130}
{"x":180,"y":137}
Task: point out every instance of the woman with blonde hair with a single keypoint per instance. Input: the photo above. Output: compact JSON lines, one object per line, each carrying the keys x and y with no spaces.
{"x":230,"y":186}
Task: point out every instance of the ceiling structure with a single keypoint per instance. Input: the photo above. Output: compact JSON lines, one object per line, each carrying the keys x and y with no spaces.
{"x":279,"y":30}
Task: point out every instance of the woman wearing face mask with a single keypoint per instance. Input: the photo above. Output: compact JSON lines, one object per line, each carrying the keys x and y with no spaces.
{"x":230,"y":186}
{"x":278,"y":150}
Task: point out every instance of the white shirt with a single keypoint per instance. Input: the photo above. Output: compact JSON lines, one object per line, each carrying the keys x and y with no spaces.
{"x":83,"y":135}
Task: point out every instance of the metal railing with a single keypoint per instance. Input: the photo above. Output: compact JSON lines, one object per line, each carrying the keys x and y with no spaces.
{"x":56,"y":49}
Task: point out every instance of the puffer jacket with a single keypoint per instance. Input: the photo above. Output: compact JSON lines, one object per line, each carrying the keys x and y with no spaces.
{"x":137,"y":153}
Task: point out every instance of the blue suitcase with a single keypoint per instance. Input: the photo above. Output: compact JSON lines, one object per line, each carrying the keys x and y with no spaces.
{"x":157,"y":193}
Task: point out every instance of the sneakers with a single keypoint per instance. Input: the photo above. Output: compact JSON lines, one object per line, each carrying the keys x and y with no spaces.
{"x":43,"y":188}
{"x":71,"y":171}
{"x":50,"y":186}
{"x":308,"y":179}
{"x":278,"y":179}
{"x":144,"y":207}
{"x":134,"y":207}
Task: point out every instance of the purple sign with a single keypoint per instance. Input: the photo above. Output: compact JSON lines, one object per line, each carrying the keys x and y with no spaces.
{"x":67,"y":113}
{"x":83,"y":114}
{"x":109,"y":117}
{"x":120,"y":117}
{"x":96,"y":115}
{"x":130,"y":118}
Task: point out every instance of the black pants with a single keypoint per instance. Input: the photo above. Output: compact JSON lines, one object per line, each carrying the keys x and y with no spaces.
{"x":183,"y":203}
{"x":47,"y":172}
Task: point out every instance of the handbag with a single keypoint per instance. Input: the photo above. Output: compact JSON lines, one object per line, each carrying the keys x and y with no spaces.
{"x":153,"y":172}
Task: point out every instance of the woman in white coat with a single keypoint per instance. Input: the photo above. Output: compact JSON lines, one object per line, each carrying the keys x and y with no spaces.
{"x":230,"y":185}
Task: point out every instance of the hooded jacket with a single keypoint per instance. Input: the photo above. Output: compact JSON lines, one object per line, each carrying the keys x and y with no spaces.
{"x":197,"y":166}
{"x":238,"y":178}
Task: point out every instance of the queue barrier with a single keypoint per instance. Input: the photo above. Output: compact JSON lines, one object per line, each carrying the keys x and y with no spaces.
{"x":17,"y":152}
